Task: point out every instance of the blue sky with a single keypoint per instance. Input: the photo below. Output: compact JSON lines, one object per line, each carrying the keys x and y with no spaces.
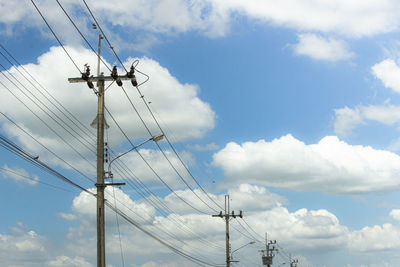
{"x":290,"y":107}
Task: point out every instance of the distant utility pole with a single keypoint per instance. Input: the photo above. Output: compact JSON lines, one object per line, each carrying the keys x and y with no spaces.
{"x":268,"y":253}
{"x":293,"y":263}
{"x":227,"y":217}
{"x":100,"y":185}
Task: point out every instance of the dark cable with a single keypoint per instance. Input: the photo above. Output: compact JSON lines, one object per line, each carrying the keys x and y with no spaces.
{"x":58,"y":40}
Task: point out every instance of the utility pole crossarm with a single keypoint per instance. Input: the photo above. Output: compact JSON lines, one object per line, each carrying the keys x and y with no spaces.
{"x":96,"y":79}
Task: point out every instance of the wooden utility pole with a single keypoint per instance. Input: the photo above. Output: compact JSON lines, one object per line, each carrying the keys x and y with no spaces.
{"x":100,"y":185}
{"x":101,"y":238}
{"x":228,"y":254}
{"x":227,"y":217}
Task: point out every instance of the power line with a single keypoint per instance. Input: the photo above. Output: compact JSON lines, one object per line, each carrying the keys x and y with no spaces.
{"x":45,"y":123}
{"x":66,"y":13}
{"x":52,"y":115}
{"x":151,"y":168}
{"x":30,"y":179}
{"x":45,"y":147}
{"x":71,"y":117}
{"x":14,"y":148}
{"x":180,"y":159}
{"x":58,"y":40}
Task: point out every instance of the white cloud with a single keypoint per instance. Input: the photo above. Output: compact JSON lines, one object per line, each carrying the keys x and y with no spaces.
{"x":353,"y":18}
{"x":19,"y":175}
{"x":347,"y":119}
{"x":22,"y":247}
{"x":85,"y":206}
{"x":249,"y":198}
{"x":65,"y":261}
{"x":320,"y":48}
{"x":175,"y":103}
{"x":160,"y":165}
{"x":395,"y":214}
{"x":378,"y":238}
{"x":301,"y":230}
{"x":389,"y":73}
{"x":330,"y":166}
{"x":245,"y":197}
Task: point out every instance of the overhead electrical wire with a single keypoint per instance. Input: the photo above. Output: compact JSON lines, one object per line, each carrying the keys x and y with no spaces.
{"x":61,"y":108}
{"x":45,"y":123}
{"x":66,"y":13}
{"x":58,"y":40}
{"x":14,"y":148}
{"x":252,"y":229}
{"x":169,"y":234}
{"x":57,"y":102}
{"x":145,"y":102}
{"x":142,"y":96}
{"x":151,"y":168}
{"x":157,"y":203}
{"x":187,"y":256}
{"x":45,"y":147}
{"x":107,"y":66}
{"x":42,"y":106}
{"x":160,"y":206}
{"x":33,"y":180}
{"x":159,"y":126}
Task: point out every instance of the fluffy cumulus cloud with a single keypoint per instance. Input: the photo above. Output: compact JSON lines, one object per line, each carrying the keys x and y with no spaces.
{"x":212,"y":17}
{"x":22,"y":247}
{"x":388,"y":72}
{"x":382,"y":238}
{"x":65,"y":261}
{"x":330,"y":166}
{"x":347,"y":119}
{"x":320,"y":48}
{"x":354,"y":18}
{"x":175,"y":104}
{"x":84,"y":205}
{"x":395,"y":214}
{"x":176,"y":177}
{"x":201,"y":234}
{"x":301,"y":230}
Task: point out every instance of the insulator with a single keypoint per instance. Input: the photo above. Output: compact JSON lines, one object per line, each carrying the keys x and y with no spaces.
{"x":114,"y":72}
{"x":90,"y":84}
{"x":133,"y":81}
{"x":119,"y":82}
{"x":130,"y":74}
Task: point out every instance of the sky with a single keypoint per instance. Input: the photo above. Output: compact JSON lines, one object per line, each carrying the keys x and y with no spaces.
{"x":291,"y":108}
